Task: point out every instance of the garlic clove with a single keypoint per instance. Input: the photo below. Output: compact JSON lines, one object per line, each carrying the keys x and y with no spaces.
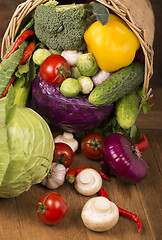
{"x":100,"y":76}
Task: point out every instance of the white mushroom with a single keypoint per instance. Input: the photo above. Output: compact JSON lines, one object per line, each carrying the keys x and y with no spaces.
{"x":71,"y":56}
{"x":69,"y":139}
{"x":88,"y":182}
{"x":99,"y":214}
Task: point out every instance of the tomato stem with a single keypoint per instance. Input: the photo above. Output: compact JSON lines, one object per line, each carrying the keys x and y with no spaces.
{"x":95,"y":144}
{"x":42,"y":208}
{"x":62,"y":71}
{"x":62,"y":158}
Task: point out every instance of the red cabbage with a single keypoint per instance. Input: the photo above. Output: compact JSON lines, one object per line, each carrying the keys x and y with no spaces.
{"x":70,"y":114}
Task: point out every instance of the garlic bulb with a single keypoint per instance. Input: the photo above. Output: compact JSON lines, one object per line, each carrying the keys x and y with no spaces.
{"x":55,"y":177}
{"x":88,"y":182}
{"x":99,"y":214}
{"x":100,"y":76}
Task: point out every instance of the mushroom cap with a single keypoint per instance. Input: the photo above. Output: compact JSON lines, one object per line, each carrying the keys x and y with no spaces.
{"x":99,"y":214}
{"x":88,"y":182}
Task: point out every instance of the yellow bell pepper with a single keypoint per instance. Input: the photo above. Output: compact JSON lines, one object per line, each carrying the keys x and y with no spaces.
{"x":114,"y":45}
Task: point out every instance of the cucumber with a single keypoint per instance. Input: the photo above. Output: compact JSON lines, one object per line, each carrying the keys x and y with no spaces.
{"x":117,"y":85}
{"x":127,"y":108}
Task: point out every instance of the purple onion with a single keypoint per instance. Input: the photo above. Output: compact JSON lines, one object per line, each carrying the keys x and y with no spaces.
{"x":122,"y":159}
{"x":70,"y":114}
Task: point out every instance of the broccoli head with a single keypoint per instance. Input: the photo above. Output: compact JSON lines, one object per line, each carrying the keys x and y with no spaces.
{"x":62,"y":27}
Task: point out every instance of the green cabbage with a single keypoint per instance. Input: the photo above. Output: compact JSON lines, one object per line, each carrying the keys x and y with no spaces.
{"x":26,"y":148}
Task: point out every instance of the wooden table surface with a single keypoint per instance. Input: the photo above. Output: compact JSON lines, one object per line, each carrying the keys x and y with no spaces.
{"x":18,"y":219}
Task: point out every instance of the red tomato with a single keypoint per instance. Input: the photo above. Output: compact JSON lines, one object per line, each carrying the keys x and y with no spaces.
{"x":51,"y":208}
{"x":63,"y":154}
{"x":54,"y":70}
{"x":92,"y":145}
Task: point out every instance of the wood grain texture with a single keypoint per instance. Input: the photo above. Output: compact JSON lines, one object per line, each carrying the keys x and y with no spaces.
{"x":18,"y":218}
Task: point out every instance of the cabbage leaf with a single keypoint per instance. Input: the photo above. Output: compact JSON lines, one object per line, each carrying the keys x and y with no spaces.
{"x":26,"y":147}
{"x":5,"y":104}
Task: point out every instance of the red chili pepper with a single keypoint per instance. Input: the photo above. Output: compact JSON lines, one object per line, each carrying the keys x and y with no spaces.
{"x":71,"y":174}
{"x":27,"y":53}
{"x":122,"y":211}
{"x":20,"y":39}
{"x":143,"y":144}
{"x":9,"y":84}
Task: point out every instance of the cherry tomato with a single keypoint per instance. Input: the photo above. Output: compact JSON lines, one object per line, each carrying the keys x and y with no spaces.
{"x":92,"y":145}
{"x":51,"y":208}
{"x":54,"y":70}
{"x":63,"y":154}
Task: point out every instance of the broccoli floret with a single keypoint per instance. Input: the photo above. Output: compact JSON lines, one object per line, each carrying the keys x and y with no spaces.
{"x":62,"y":27}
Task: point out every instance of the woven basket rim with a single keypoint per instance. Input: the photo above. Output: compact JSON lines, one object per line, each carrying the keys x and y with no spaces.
{"x":116,"y":6}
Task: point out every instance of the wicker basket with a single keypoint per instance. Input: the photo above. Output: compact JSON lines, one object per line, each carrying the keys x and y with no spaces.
{"x":138,"y":14}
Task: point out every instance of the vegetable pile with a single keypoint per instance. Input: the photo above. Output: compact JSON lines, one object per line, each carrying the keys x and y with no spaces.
{"x":71,"y":114}
{"x":62,"y":72}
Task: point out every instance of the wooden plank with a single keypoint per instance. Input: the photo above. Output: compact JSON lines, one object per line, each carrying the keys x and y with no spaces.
{"x":151,"y":188}
{"x":152,"y":121}
{"x":26,"y":225}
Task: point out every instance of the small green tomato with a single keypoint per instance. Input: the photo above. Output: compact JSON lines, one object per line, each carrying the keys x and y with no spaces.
{"x":40,"y":55}
{"x":87,"y":64}
{"x":70,"y":87}
{"x":86,"y":84}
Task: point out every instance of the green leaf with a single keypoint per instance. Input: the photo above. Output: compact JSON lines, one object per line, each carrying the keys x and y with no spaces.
{"x":27,"y":70}
{"x":143,"y":105}
{"x":5,"y":104}
{"x":33,"y":71}
{"x":101,"y":12}
{"x":22,"y":69}
{"x":4,"y":153}
{"x":8,"y":66}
